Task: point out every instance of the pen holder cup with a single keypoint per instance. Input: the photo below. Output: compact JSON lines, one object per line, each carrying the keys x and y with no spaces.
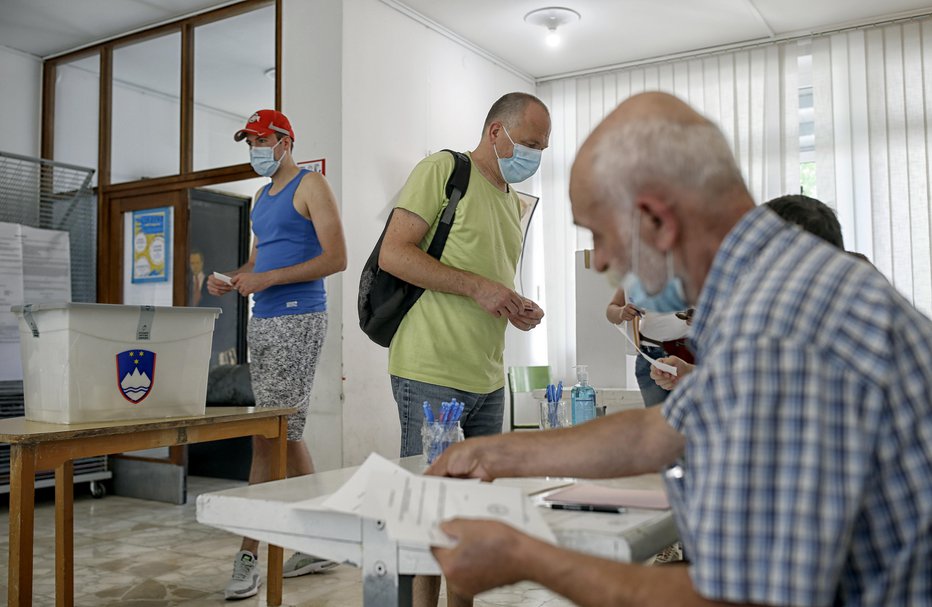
{"x":437,"y":436}
{"x":554,"y":415}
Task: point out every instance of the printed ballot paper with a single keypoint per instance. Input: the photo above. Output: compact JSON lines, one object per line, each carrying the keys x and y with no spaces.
{"x":413,"y":506}
{"x":656,"y":363}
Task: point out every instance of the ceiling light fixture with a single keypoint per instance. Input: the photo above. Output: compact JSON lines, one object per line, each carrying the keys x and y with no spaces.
{"x":270,"y":74}
{"x":552,"y":17}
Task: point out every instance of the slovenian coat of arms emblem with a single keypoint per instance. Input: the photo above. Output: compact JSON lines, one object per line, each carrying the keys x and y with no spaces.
{"x":135,"y":374}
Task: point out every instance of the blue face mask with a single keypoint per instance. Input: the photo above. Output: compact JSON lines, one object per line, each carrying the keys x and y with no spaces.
{"x":671,"y":298}
{"x":523,"y":163}
{"x":263,"y":160}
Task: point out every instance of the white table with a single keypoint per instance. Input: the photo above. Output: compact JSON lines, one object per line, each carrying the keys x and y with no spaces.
{"x":264,"y":512}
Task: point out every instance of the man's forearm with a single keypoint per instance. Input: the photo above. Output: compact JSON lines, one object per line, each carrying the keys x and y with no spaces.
{"x":313,"y":269}
{"x":622,"y":444}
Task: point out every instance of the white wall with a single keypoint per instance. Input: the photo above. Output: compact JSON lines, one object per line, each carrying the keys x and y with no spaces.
{"x":20,"y":101}
{"x":407,"y":91}
{"x":311,"y":98}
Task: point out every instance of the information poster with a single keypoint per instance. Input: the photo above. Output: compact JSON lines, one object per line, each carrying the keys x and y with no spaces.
{"x":151,"y":245}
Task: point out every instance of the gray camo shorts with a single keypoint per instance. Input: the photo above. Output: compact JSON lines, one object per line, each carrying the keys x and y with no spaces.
{"x":283,"y":354}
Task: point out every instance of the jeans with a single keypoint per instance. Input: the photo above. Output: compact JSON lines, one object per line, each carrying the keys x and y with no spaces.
{"x":650,"y":391}
{"x":482,"y":414}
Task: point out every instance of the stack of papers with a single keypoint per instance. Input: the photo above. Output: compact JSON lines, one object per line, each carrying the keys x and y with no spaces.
{"x":413,"y":506}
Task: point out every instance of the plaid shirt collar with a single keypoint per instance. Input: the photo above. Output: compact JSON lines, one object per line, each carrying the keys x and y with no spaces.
{"x":741,"y":246}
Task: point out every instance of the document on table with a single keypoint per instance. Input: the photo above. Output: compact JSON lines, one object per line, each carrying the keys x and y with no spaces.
{"x":349,"y":498}
{"x":598,"y":495}
{"x":413,"y":506}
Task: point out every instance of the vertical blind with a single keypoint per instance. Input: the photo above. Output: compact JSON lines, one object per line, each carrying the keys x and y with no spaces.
{"x":872,"y":94}
{"x":753,"y":95}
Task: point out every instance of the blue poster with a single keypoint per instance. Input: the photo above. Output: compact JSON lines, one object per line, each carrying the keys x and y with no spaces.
{"x":152,"y":245}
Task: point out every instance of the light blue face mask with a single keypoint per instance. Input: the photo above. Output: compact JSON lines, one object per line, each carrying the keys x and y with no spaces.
{"x":523,"y":163}
{"x":263,"y":160}
{"x":671,"y":298}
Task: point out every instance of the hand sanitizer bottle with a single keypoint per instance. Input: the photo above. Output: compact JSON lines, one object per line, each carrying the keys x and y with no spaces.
{"x":583,"y":397}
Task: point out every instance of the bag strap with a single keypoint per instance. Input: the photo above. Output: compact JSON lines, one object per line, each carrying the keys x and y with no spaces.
{"x":455,"y":190}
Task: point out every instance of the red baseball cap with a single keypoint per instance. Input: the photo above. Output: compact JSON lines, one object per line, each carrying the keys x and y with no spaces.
{"x":263,"y":123}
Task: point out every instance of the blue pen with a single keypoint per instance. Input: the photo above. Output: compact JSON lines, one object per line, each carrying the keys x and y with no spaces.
{"x":428,"y":413}
{"x":559,"y":391}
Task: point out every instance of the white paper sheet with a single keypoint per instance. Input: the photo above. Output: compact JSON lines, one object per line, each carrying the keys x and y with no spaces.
{"x":349,"y":497}
{"x":533,"y":485}
{"x":11,"y":293}
{"x":414,"y":506}
{"x":35,"y":267}
{"x":46,"y":265}
{"x":662,"y":366}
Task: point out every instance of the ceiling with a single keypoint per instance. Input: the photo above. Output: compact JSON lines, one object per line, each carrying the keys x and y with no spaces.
{"x":609,"y":31}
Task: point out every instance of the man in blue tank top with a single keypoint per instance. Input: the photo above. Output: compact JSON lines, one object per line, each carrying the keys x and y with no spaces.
{"x":298,"y":241}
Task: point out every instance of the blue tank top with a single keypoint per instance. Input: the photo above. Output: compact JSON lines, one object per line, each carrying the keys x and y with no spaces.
{"x":285,"y":238}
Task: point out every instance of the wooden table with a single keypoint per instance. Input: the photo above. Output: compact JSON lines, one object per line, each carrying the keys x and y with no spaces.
{"x":266,"y":512}
{"x":42,"y":446}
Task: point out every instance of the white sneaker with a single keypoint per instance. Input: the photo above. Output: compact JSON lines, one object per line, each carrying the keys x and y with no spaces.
{"x":245,"y":582}
{"x":302,"y":564}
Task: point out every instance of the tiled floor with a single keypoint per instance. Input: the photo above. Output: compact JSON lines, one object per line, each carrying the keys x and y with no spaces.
{"x":149,"y":554}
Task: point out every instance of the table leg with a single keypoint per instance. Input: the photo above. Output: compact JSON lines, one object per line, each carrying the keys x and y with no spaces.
{"x":22,"y":504}
{"x":278,"y":465}
{"x":64,"y":535}
{"x":382,"y":586}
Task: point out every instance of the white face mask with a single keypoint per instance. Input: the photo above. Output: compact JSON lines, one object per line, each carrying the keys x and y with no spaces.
{"x":263,"y":160}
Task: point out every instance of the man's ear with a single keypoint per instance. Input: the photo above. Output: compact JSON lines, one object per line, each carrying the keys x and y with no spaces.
{"x":494,"y":130}
{"x":660,"y":225}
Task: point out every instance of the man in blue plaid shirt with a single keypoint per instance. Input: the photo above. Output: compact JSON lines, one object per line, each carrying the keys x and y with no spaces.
{"x":798,"y":453}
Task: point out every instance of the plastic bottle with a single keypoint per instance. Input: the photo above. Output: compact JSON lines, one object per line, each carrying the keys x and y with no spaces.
{"x":583,"y":397}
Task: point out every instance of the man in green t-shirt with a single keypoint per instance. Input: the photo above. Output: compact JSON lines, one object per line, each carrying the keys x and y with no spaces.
{"x":451,"y":343}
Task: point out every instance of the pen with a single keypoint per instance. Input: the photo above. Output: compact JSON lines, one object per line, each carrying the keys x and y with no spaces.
{"x":589,"y":508}
{"x":428,"y":413}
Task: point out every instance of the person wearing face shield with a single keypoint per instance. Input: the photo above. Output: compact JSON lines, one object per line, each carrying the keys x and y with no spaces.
{"x":797,"y":455}
{"x":298,"y":242}
{"x":451,"y":343}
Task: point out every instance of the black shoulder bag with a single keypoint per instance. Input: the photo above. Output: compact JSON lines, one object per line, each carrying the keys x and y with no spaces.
{"x":383,"y":298}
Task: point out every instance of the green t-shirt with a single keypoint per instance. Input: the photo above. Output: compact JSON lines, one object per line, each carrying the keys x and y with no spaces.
{"x":445,"y":339}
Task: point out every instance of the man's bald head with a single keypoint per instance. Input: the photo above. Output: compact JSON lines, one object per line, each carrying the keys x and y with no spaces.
{"x":654,"y":143}
{"x":658,"y":186}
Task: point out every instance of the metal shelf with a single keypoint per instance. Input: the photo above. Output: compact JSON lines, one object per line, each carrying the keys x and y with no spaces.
{"x":55,"y":196}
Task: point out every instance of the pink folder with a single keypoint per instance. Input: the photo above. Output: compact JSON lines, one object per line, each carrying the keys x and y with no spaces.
{"x":597,"y":495}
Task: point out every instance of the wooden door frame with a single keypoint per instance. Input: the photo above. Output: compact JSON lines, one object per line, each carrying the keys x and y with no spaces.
{"x":118,"y":205}
{"x":109,"y":249}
